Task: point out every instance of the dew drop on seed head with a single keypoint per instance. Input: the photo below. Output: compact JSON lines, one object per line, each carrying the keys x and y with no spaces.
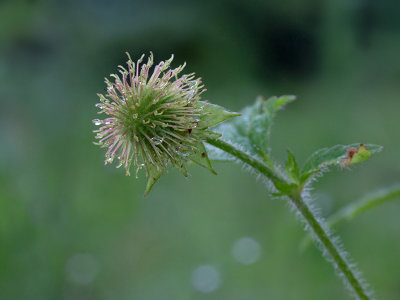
{"x":181,"y":153}
{"x":157,"y":141}
{"x":97,"y":122}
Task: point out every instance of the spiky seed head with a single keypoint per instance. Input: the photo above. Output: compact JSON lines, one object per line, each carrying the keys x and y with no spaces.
{"x":153,"y":118}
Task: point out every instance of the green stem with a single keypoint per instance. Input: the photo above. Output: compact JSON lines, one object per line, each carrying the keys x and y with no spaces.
{"x":315,"y":226}
{"x":352,"y":210}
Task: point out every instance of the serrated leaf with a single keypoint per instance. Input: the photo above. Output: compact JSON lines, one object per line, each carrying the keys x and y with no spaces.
{"x":259,"y":133}
{"x":213,"y":114}
{"x":275,"y":103}
{"x":153,"y":174}
{"x":339,"y":155}
{"x":201,"y":158}
{"x":292,"y":169}
{"x":251,"y":131}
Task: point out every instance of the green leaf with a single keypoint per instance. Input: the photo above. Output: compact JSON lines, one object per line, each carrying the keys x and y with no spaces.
{"x":213,"y":114}
{"x":153,"y":174}
{"x":201,"y":158}
{"x":339,"y":155}
{"x":251,"y":131}
{"x":292,"y":169}
{"x":362,"y":154}
{"x":285,"y":188}
{"x":218,"y":154}
{"x":274,"y":104}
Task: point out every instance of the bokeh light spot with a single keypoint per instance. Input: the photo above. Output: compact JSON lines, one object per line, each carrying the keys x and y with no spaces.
{"x":246,"y":250}
{"x":206,"y":279}
{"x":81,"y":268}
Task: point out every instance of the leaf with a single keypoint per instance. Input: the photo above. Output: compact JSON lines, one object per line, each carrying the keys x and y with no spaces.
{"x":251,"y":131}
{"x":153,"y":174}
{"x":213,"y":114}
{"x":201,"y":158}
{"x":339,"y":155}
{"x":292,"y":169}
{"x":357,"y":156}
{"x":285,"y":188}
{"x":215,"y":153}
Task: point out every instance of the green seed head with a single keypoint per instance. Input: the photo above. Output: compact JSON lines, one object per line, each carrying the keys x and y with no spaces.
{"x":153,"y":118}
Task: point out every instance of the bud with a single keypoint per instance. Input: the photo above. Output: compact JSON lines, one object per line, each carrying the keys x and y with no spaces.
{"x":155,"y":118}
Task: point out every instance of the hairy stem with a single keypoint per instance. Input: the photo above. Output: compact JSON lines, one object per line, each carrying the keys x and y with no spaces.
{"x":329,"y":246}
{"x":352,"y":210}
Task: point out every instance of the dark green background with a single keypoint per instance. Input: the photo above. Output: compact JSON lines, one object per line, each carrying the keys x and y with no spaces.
{"x":58,"y":202}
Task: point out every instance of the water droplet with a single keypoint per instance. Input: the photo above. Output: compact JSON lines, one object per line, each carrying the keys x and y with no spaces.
{"x":181,"y":154}
{"x":135,"y":116}
{"x":157,"y":141}
{"x":99,"y":105}
{"x":97,"y":122}
{"x":138,"y":168}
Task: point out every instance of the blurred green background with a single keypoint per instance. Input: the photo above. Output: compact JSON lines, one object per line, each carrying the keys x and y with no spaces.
{"x":72,"y":228}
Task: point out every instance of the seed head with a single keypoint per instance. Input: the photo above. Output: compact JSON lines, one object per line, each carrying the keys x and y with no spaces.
{"x":155,"y":118}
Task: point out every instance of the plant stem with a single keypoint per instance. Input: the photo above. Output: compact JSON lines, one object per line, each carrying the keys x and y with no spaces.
{"x":329,"y":246}
{"x":352,"y":210}
{"x":366,"y":203}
